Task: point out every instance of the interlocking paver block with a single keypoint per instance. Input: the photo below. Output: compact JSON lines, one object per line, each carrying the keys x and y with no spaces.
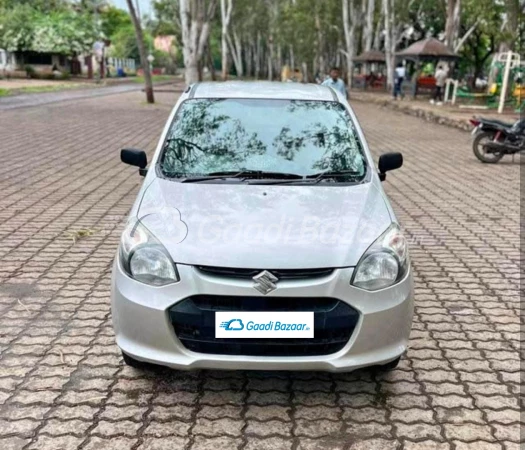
{"x":62,"y":381}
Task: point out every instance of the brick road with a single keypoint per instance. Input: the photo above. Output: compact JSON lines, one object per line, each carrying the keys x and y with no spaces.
{"x":63,"y":384}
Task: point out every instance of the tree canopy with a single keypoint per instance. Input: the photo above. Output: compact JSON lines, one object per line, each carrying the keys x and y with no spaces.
{"x":61,"y":30}
{"x":258,"y":37}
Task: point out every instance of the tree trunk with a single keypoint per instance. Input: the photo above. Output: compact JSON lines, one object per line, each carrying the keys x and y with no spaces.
{"x":452,"y":24}
{"x":270,"y":57}
{"x":258,"y":57}
{"x":511,"y":25}
{"x":464,"y":38}
{"x":249,"y":59}
{"x":349,"y":24}
{"x":200,"y":65}
{"x":377,"y":35}
{"x":226,"y":12}
{"x":189,"y":50}
{"x":368,"y":30}
{"x":292,"y":58}
{"x":236,"y":52}
{"x":273,"y":6}
{"x":304,"y":67}
{"x":319,"y":56}
{"x":390,"y":44}
{"x":195,"y":28}
{"x":148,"y":84}
{"x":279,"y":62}
{"x":209,"y":58}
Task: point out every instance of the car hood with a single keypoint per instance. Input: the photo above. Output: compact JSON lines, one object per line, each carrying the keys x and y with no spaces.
{"x":264,"y":227}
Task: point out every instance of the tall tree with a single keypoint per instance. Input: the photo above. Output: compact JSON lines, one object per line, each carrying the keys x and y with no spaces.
{"x":368,"y":30}
{"x":226,"y":14}
{"x":349,"y":26}
{"x":390,"y":46}
{"x":148,"y":83}
{"x":514,"y":15}
{"x":453,"y":23}
{"x":273,"y":10}
{"x":195,"y":18}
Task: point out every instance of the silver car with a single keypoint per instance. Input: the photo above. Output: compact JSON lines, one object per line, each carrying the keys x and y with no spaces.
{"x":262,"y":238}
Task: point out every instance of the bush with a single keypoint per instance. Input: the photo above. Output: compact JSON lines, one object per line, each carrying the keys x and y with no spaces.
{"x":166,"y":61}
{"x":30,"y":72}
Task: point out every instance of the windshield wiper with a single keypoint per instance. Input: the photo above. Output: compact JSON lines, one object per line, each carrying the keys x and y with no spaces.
{"x":241,"y":174}
{"x":317,"y":177}
{"x":258,"y":174}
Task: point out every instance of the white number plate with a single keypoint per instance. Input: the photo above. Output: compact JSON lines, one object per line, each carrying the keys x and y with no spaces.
{"x":267,"y":324}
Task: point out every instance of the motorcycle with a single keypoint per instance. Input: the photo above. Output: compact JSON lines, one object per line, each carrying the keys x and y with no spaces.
{"x":493,"y":139}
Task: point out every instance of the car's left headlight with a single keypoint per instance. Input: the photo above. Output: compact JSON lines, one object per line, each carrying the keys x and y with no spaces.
{"x":384,"y":263}
{"x":144,"y":258}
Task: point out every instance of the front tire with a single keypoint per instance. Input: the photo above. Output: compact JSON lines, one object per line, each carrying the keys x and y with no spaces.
{"x":388,"y":366}
{"x":479,"y":148}
{"x":132,"y":362}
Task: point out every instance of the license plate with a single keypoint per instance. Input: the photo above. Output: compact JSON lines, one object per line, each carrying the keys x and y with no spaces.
{"x":267,"y":324}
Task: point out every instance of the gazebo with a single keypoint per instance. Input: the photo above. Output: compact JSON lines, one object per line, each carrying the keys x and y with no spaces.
{"x":429,"y":49}
{"x":426,"y":50}
{"x":371,"y":56}
{"x":366,"y":58}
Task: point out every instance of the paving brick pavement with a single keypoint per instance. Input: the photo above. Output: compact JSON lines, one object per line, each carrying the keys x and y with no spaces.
{"x":62,"y":381}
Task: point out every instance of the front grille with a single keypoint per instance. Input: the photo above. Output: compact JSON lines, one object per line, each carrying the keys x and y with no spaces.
{"x":282,"y":274}
{"x":193,"y":320}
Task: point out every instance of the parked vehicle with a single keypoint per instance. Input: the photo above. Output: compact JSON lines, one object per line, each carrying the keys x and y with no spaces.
{"x":262,"y":238}
{"x":494,"y":139}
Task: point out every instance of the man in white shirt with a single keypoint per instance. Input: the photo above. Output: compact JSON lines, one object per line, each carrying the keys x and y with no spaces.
{"x":335,"y":82}
{"x":399,"y":76}
{"x":441,"y":78}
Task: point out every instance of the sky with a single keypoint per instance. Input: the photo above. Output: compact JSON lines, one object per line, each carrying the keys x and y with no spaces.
{"x":145,"y":5}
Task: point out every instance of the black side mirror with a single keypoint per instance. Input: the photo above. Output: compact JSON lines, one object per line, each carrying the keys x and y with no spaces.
{"x":136,"y":158}
{"x":389,"y":161}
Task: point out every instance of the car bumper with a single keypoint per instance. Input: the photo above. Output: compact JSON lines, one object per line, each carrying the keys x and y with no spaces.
{"x":143,"y":329}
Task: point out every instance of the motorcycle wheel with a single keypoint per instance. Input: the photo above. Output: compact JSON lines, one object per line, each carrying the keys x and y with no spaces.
{"x":479,"y":148}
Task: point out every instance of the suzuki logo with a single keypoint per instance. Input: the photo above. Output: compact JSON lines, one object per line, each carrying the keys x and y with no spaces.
{"x":265,"y":282}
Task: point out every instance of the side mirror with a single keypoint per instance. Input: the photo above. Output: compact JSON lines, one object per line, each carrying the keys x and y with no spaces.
{"x":389,"y":161}
{"x":136,"y":158}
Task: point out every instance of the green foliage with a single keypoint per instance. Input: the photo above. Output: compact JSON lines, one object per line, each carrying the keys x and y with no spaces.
{"x":30,"y":71}
{"x":24,"y":28}
{"x":310,"y":29}
{"x":113,"y":19}
{"x":166,"y":14}
{"x":483,"y":42}
{"x":38,"y":5}
{"x":124,"y":43}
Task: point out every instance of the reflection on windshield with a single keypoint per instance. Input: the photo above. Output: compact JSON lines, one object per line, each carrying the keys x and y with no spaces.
{"x":292,"y":136}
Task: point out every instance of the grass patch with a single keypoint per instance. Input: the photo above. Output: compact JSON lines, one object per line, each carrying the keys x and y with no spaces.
{"x":80,"y":234}
{"x":155,"y":78}
{"x":58,"y":87}
{"x":4,"y":92}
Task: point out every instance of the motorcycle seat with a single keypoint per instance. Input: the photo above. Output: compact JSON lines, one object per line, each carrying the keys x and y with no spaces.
{"x":496,"y":123}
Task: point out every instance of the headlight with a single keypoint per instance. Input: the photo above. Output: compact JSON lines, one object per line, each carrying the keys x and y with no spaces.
{"x":144,"y":258}
{"x":384,"y":263}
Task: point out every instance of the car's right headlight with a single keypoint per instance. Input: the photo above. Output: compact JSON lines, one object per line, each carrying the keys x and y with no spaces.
{"x":384,"y":263}
{"x":144,"y":258}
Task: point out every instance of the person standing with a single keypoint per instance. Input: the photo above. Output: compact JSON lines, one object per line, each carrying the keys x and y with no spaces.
{"x":441,"y":78}
{"x":335,"y":82}
{"x":399,"y":77}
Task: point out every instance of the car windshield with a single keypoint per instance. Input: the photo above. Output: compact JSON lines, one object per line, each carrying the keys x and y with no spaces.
{"x":293,"y":137}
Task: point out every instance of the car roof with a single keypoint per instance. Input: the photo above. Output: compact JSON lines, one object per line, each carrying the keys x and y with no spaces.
{"x":262,"y":89}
